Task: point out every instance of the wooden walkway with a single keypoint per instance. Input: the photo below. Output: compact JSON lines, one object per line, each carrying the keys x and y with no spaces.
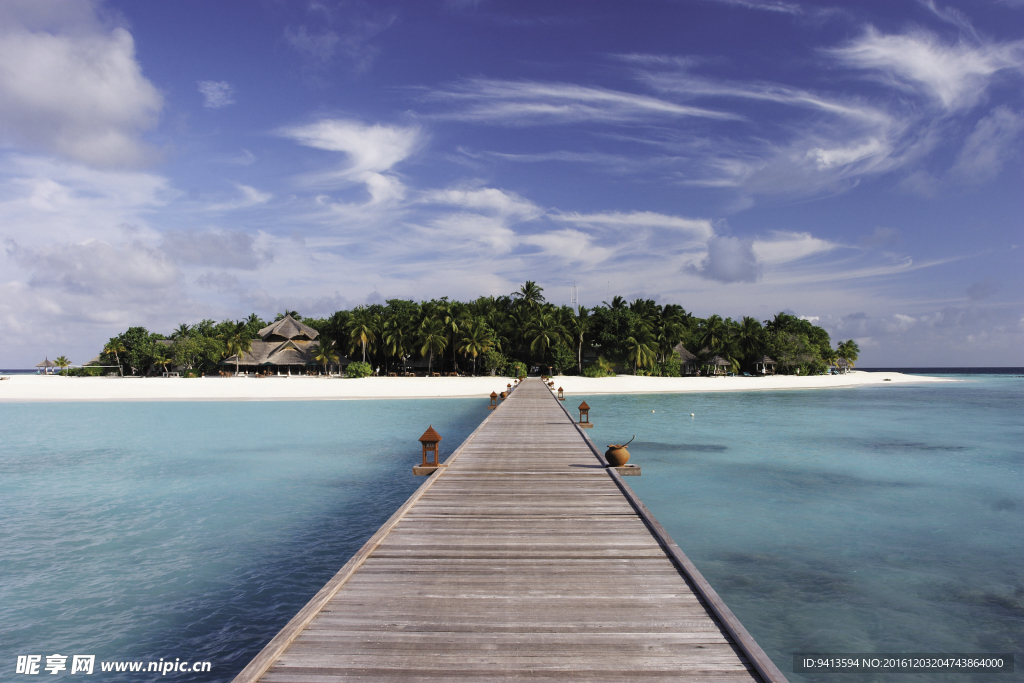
{"x":525,"y":559}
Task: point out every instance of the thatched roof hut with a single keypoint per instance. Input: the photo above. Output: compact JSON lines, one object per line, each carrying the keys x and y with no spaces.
{"x":286,"y":344}
{"x":717,"y":362}
{"x":46,"y":364}
{"x":765,"y":366}
{"x":688,"y":363}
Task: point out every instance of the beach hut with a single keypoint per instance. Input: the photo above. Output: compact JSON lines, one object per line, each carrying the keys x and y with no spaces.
{"x":46,"y":365}
{"x":688,"y":363}
{"x":284,"y":348}
{"x":717,"y":366}
{"x":765,"y":366}
{"x":842,"y":366}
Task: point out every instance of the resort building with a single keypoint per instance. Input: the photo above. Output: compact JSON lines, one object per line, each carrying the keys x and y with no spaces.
{"x":286,"y":347}
{"x":688,"y":363}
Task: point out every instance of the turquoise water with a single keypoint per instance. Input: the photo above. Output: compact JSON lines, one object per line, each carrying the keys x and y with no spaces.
{"x":140,"y":531}
{"x":880,"y":519}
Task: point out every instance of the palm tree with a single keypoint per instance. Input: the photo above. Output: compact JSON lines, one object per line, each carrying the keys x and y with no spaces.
{"x":62,"y":363}
{"x":116,"y":347}
{"x":544,"y":332}
{"x":579,"y":325}
{"x":476,"y":340}
{"x":236,"y":343}
{"x":750,"y":338}
{"x":182,"y":332}
{"x":393,"y":336}
{"x":712,"y":333}
{"x":640,"y":349}
{"x":362,"y":329}
{"x":432,"y":340}
{"x":617,"y":303}
{"x":162,"y":357}
{"x":830,"y":357}
{"x":326,"y":353}
{"x":849,"y":351}
{"x":530,"y":294}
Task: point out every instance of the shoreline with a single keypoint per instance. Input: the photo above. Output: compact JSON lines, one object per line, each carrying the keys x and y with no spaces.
{"x":42,"y":388}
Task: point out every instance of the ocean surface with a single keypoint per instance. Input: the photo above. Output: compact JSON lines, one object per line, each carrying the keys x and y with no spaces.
{"x":877,"y":519}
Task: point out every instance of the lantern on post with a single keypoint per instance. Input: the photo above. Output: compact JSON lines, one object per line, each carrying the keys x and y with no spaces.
{"x":494,"y":401}
{"x":561,"y":397}
{"x":430,"y":440}
{"x":509,"y":389}
{"x":585,"y":422}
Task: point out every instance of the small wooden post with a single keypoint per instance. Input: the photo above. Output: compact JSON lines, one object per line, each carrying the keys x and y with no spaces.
{"x":494,"y":401}
{"x":585,"y":416}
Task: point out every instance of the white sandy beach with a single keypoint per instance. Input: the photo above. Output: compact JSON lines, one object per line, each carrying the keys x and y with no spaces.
{"x":56,"y":388}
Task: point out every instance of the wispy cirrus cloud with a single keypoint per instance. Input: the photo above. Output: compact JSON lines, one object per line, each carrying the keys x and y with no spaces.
{"x":532,"y":102}
{"x":956,"y":75}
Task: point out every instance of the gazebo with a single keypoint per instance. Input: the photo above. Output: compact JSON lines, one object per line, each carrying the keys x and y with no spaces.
{"x":765,"y":366}
{"x":46,"y":365}
{"x":716,"y":363}
{"x":843,"y":366}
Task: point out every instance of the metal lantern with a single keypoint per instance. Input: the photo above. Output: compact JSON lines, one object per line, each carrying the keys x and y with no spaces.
{"x":430,"y":440}
{"x":494,"y":401}
{"x":561,"y":396}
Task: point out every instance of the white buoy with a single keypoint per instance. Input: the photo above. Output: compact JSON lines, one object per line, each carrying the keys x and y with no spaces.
{"x":691,"y":414}
{"x":652,"y":411}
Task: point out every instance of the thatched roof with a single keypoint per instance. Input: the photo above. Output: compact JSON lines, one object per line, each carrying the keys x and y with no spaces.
{"x":287,"y":352}
{"x":46,"y":364}
{"x":718,"y":360}
{"x":766,"y":360}
{"x":288,"y":328}
{"x":842,"y":363}
{"x":684,"y":355}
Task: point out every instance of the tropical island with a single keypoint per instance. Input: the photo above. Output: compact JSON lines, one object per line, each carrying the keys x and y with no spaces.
{"x":509,"y":335}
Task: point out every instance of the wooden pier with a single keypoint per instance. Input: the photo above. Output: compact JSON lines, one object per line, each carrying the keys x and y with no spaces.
{"x":525,"y":559}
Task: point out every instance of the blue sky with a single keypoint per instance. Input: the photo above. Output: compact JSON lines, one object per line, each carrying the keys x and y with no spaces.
{"x":858,"y":164}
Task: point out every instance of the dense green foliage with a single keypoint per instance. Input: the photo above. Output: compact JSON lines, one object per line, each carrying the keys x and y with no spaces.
{"x":358,"y":369}
{"x":505,"y":335}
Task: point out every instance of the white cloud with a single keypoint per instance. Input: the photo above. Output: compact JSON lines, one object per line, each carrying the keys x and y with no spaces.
{"x":699,"y":228}
{"x":73,"y":87}
{"x":215,"y":248}
{"x":372,"y":150}
{"x":486,"y":199}
{"x":765,"y":5}
{"x":216,"y":94}
{"x":844,"y":156}
{"x":954,"y":74}
{"x":785,"y":247}
{"x":988,"y":146}
{"x":530,"y":102}
{"x":729,"y":259}
{"x":571,"y":246}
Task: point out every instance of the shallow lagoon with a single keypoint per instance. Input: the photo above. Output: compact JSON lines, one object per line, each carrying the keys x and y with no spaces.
{"x":873,"y":519}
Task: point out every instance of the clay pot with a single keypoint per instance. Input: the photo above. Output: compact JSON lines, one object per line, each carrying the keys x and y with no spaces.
{"x":617,"y":454}
{"x":503,"y":395}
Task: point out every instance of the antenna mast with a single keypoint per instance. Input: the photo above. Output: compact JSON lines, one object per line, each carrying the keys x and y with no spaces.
{"x":574,"y":295}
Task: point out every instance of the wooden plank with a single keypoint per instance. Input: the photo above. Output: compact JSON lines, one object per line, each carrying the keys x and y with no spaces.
{"x":524,"y":558}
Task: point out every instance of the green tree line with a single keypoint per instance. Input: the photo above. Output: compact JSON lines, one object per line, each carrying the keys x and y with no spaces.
{"x":504,"y":334}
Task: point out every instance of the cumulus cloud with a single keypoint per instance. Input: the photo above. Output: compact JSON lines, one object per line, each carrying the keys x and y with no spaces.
{"x":988,"y":146}
{"x":956,"y":75}
{"x":785,"y":247}
{"x":224,"y":249}
{"x":216,"y":94}
{"x":71,"y":86}
{"x":95,"y":268}
{"x":729,"y":259}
